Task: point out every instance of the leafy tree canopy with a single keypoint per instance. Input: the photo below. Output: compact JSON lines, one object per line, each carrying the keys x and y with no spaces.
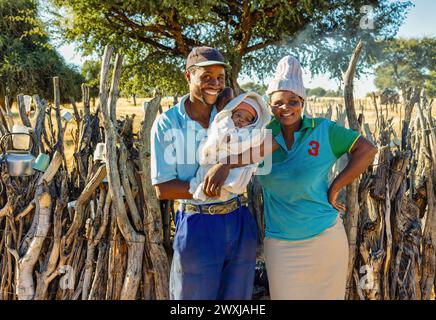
{"x":256,"y":87}
{"x":408,"y":62}
{"x":156,"y":36}
{"x":91,"y":74}
{"x":27,"y":61}
{"x":318,"y":91}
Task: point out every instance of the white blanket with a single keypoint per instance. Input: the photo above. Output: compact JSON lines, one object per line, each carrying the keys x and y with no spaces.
{"x":224,"y":139}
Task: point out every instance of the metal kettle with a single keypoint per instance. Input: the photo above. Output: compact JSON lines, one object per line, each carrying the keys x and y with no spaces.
{"x":19,"y":162}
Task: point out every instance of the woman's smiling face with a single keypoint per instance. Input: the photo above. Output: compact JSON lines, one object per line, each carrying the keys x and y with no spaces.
{"x":286,"y":107}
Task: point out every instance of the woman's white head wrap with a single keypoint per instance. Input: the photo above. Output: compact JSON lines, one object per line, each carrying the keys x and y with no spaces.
{"x":288,"y":77}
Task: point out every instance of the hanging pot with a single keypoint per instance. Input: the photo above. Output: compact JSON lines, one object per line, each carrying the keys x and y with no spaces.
{"x":18,"y":162}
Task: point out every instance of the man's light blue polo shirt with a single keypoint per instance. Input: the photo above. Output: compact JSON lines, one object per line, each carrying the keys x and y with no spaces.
{"x":175,"y":140}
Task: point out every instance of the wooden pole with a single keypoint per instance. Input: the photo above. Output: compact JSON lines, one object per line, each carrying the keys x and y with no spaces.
{"x":351,"y":218}
{"x":135,"y":241}
{"x":22,"y":111}
{"x":153,"y":220}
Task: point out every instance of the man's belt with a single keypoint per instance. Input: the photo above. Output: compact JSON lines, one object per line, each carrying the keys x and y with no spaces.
{"x":213,"y":208}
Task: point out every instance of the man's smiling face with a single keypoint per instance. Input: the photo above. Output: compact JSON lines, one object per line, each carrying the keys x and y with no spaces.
{"x":205,"y":83}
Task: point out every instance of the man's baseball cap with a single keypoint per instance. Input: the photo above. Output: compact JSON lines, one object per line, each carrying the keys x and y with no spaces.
{"x":204,"y":56}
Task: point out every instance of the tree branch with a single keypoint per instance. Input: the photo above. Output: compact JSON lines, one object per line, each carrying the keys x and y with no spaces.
{"x":261,"y":45}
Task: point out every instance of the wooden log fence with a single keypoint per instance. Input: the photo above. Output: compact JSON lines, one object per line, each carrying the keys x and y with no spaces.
{"x":95,"y":230}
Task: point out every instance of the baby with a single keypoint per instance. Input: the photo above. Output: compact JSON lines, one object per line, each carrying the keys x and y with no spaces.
{"x":238,"y":127}
{"x":244,"y":114}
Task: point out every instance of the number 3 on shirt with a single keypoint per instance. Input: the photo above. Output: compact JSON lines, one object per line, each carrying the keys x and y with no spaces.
{"x":314,"y":150}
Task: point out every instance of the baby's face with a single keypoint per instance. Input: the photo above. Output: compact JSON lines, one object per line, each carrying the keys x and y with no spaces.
{"x":242,"y":118}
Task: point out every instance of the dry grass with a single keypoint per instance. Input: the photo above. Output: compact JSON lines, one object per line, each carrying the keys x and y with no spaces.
{"x":126,"y":107}
{"x":365,"y":106}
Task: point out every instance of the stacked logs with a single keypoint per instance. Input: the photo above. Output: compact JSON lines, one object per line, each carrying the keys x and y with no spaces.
{"x":393,"y":253}
{"x":394,"y":257}
{"x":93,"y":231}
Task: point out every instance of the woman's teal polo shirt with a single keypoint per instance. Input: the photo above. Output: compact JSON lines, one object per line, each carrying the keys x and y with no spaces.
{"x":296,"y":205}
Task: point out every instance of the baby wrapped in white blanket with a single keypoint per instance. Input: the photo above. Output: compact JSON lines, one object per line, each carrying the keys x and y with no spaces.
{"x":237,"y":128}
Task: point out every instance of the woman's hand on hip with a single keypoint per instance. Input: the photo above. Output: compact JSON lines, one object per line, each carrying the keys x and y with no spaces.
{"x":362,"y":155}
{"x":215,"y":178}
{"x":333,"y":196}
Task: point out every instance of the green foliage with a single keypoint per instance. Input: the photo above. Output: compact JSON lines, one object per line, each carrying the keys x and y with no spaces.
{"x":156,"y":36}
{"x":256,"y":87}
{"x":408,"y":62}
{"x":430,"y":84}
{"x":27,"y":61}
{"x":318,"y":91}
{"x":334,"y":93}
{"x":91,"y":74}
{"x":141,"y":76}
{"x":321,"y":92}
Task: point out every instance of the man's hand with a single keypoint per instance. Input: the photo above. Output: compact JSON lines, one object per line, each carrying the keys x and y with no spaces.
{"x":333,"y":195}
{"x":215,"y":178}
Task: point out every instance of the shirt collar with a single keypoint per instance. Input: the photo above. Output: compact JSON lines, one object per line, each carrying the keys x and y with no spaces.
{"x":274,"y":125}
{"x":186,"y":118}
{"x":181,"y":108}
{"x":307,"y":123}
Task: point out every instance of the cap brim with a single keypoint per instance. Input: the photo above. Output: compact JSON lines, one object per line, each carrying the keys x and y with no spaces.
{"x":210,"y":63}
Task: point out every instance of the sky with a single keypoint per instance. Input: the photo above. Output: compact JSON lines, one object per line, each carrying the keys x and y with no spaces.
{"x":418,"y":23}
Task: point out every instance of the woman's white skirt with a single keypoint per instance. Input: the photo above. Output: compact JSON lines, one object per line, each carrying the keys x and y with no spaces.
{"x":313,"y":269}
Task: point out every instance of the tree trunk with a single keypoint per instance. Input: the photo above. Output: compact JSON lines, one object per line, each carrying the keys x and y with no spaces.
{"x":22,"y":110}
{"x":233,"y":76}
{"x":2,"y":96}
